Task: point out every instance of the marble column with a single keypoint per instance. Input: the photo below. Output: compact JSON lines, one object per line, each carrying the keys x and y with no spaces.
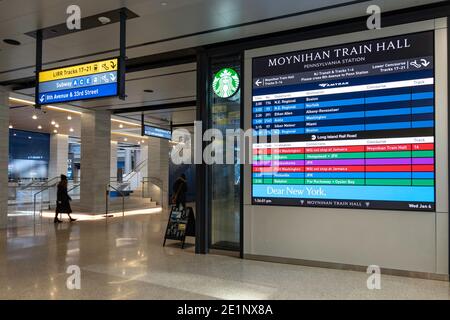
{"x":158,"y":169}
{"x":95,"y":160}
{"x":143,"y":154}
{"x":59,"y":153}
{"x":4,"y":152}
{"x":113,"y":165}
{"x":128,"y":165}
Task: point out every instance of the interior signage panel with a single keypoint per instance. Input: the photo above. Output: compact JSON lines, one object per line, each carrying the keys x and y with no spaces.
{"x":79,"y":82}
{"x":355,"y":126}
{"x":157,"y":132}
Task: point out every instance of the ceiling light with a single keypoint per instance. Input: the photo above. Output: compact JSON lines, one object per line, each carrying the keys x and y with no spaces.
{"x":135,"y":136}
{"x":104,"y":20}
{"x":11,"y":42}
{"x":29,"y":137}
{"x":48,"y":107}
{"x":125,"y":139}
{"x":10,"y":126}
{"x":62,"y":109}
{"x":21,"y":100}
{"x":139,"y":142}
{"x":71,"y":130}
{"x":55,"y":131}
{"x":34,"y":117}
{"x":126,"y":122}
{"x":56,"y":125}
{"x":164,"y":4}
{"x":143,"y":141}
{"x":69,"y":117}
{"x":120,"y":126}
{"x":39,"y":127}
{"x":15,"y":134}
{"x":53,"y":122}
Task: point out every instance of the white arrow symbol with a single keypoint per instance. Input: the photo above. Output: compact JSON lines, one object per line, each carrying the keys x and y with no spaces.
{"x":113,"y":77}
{"x":258,"y":82}
{"x":425,"y":63}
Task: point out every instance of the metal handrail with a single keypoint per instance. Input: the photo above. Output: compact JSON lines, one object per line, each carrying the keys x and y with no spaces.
{"x":34,"y":200}
{"x":159,"y":185}
{"x":74,"y":187}
{"x":135,"y":170}
{"x":159,"y":181}
{"x":107,"y":199}
{"x":32,"y":184}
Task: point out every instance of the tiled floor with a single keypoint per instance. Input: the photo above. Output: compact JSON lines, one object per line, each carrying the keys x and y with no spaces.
{"x":124,"y":259}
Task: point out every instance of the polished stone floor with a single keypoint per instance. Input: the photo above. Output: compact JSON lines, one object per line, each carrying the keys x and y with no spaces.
{"x":123,"y":258}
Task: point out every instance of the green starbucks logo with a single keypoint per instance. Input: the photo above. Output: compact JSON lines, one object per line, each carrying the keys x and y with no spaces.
{"x":226,"y":83}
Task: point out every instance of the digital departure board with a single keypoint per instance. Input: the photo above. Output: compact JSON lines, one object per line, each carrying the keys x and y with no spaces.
{"x":355,"y":126}
{"x":79,"y":82}
{"x":156,"y":132}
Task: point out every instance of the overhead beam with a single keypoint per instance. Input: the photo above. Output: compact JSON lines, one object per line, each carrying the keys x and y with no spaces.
{"x":87,"y":23}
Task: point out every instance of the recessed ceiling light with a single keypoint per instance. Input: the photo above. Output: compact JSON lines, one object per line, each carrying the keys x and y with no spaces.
{"x":55,"y":131}
{"x":10,"y":126}
{"x":12,"y":42}
{"x":164,"y":3}
{"x":71,"y":130}
{"x":34,"y":117}
{"x":143,"y":141}
{"x":139,"y":142}
{"x":120,"y":126}
{"x":29,"y":137}
{"x":125,"y":139}
{"x":69,"y":117}
{"x":56,"y":125}
{"x":104,"y":20}
{"x":39,"y":127}
{"x":15,"y":134}
{"x":53,"y":122}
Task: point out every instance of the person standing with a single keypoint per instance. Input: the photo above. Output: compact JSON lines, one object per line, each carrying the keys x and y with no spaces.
{"x":179,"y":191}
{"x":63,"y":200}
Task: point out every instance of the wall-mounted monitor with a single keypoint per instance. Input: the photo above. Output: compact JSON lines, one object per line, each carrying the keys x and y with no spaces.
{"x":355,"y":125}
{"x":156,"y":132}
{"x":90,"y":80}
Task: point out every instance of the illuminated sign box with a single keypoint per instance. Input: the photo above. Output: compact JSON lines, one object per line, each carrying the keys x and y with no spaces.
{"x":90,"y":80}
{"x":156,"y":132}
{"x":356,"y":126}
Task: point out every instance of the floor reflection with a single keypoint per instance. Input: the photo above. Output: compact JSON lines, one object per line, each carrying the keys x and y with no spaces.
{"x":123,"y":258}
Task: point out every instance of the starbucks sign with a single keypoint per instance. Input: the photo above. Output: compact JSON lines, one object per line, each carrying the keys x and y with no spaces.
{"x":226,"y":83}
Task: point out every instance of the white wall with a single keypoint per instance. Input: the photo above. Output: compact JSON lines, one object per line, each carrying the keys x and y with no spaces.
{"x":412,"y":241}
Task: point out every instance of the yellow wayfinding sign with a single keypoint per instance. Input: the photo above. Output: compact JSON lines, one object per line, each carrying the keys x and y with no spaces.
{"x":79,"y":70}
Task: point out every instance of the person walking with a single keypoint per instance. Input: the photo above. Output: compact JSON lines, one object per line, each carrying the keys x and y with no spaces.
{"x":179,"y":191}
{"x":63,"y":200}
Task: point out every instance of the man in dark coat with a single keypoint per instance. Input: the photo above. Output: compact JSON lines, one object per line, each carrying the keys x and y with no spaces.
{"x":63,"y":200}
{"x":179,"y":191}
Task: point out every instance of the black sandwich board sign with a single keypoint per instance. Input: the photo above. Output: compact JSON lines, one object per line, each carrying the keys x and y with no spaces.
{"x":180,"y":225}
